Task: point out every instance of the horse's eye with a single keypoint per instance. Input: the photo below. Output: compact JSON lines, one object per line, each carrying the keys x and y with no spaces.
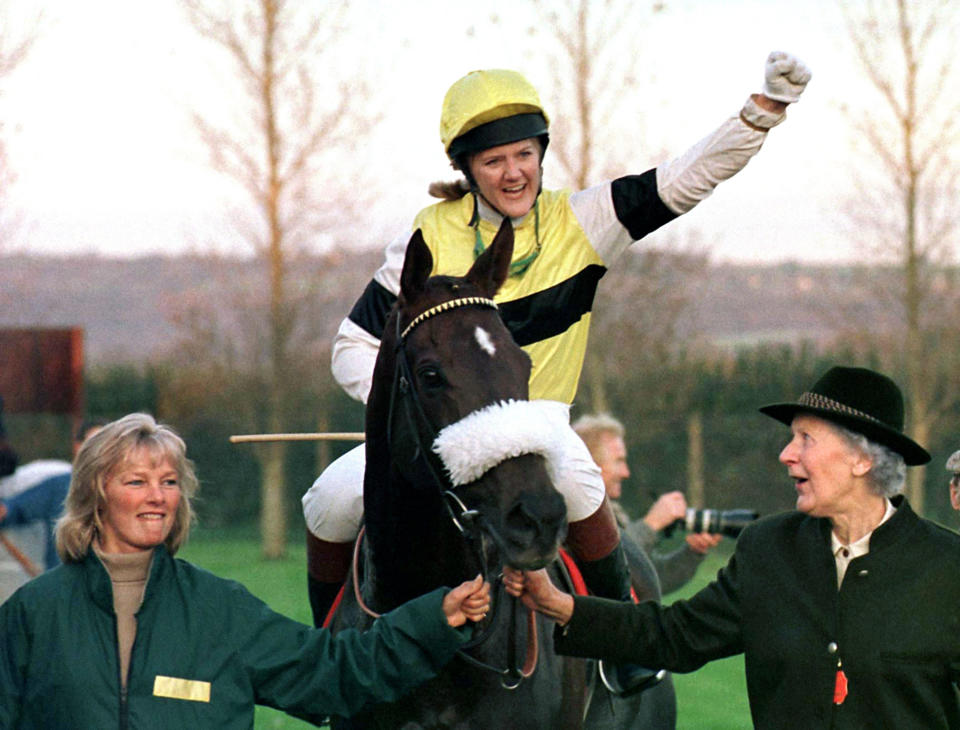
{"x":431,"y":377}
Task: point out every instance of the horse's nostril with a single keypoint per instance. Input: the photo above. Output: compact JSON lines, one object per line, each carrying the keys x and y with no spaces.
{"x":526,"y":523}
{"x":521,"y":522}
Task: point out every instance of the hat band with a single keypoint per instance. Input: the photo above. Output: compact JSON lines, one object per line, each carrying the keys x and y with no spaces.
{"x":815,"y":400}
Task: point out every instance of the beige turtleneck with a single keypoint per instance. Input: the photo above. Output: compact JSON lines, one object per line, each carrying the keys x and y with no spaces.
{"x":128,"y":575}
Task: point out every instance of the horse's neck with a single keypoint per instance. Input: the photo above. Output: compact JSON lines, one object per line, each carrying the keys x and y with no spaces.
{"x":412,"y":543}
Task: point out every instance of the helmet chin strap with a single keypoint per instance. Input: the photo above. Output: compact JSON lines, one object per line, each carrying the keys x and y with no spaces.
{"x":520,"y":266}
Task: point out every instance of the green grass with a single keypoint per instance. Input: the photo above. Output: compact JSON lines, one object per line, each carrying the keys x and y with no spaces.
{"x":713,"y":697}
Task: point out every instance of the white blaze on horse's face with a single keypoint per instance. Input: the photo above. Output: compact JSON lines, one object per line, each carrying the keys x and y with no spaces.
{"x":485,"y":341}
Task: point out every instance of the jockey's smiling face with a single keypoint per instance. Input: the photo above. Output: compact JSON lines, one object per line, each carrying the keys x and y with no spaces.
{"x":508,"y":176}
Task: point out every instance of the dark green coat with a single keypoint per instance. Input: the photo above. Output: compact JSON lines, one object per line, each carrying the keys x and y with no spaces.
{"x":59,"y":667}
{"x":895,"y":624}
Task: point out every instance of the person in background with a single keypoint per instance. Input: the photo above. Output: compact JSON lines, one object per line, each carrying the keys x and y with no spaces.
{"x":23,"y":547}
{"x":953,"y":466}
{"x":604,"y":436}
{"x":495,"y":132}
{"x":123,"y":634}
{"x":42,"y":503}
{"x":8,"y":456}
{"x":846,"y":609}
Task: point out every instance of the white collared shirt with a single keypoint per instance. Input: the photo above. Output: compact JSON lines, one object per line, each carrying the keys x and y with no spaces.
{"x":843,"y":554}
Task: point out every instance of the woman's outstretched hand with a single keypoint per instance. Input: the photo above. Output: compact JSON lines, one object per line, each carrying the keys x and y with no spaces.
{"x":538,"y":593}
{"x":468,"y":601}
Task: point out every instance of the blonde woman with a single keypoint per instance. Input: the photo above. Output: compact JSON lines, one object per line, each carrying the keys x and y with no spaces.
{"x":125,"y":635}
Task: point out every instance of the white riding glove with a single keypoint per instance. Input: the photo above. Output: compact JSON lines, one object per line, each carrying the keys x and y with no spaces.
{"x":786,"y":76}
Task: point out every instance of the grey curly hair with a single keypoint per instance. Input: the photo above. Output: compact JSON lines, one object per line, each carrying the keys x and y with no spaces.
{"x":888,"y":471}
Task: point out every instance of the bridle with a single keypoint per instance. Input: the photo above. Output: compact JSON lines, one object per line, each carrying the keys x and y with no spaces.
{"x":402,"y":387}
{"x":465,"y":520}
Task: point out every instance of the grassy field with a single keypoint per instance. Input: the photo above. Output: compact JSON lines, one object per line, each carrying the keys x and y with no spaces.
{"x":713,"y":697}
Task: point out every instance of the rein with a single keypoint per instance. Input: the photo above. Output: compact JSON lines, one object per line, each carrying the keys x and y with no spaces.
{"x":464,"y":519}
{"x":512,"y":675}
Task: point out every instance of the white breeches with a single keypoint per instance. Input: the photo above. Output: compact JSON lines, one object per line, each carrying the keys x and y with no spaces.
{"x":333,"y":506}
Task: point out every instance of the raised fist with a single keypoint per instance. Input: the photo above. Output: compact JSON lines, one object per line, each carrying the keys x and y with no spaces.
{"x":785,"y":77}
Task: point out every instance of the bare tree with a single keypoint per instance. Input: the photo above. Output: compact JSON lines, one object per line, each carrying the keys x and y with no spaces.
{"x":595,"y":72}
{"x":906,"y":209}
{"x":293,"y":119}
{"x":596,"y":75}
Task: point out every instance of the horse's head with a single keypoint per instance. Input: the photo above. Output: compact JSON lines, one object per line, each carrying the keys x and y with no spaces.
{"x":457,"y":374}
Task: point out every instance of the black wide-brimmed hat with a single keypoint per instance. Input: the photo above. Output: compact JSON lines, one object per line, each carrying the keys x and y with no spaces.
{"x":859,"y":399}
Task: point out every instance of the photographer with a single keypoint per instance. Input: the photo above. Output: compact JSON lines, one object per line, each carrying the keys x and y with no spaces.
{"x":604,"y":437}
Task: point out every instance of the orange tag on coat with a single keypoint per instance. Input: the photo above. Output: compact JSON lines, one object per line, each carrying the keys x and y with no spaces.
{"x":840,"y":688}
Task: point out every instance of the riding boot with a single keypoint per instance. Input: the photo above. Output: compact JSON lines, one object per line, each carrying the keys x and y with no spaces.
{"x":595,"y":542}
{"x":327,"y":567}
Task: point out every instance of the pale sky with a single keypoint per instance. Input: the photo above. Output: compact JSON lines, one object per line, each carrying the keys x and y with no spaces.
{"x":107,"y":161}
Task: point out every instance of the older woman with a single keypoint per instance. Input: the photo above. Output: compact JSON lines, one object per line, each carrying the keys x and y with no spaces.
{"x":124,"y":635}
{"x":847,"y":610}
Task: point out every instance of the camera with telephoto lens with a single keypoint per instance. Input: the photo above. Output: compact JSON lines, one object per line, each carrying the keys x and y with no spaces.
{"x":729,"y":522}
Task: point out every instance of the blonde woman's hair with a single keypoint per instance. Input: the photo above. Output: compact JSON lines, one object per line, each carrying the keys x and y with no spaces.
{"x":100,"y":456}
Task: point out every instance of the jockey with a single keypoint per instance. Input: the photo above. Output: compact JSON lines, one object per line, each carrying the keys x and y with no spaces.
{"x":495,"y":132}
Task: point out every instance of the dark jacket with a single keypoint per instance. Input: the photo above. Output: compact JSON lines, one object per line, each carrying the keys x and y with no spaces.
{"x":895,"y":624}
{"x":197,"y":634}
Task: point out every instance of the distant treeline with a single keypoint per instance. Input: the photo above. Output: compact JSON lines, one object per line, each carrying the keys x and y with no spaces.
{"x":739,"y":466}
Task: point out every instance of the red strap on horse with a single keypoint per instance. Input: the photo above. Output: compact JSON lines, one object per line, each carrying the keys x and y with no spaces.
{"x":356,"y":585}
{"x":576,"y":577}
{"x":579,"y":584}
{"x":333,"y":607}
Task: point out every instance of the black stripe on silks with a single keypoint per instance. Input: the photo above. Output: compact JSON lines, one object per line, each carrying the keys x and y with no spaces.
{"x":552,"y":311}
{"x":371,"y":309}
{"x":638,"y":205}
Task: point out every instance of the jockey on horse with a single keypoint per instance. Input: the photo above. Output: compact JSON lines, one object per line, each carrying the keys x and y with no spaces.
{"x":495,"y":131}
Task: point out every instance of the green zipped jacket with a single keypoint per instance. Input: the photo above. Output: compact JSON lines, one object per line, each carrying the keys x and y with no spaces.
{"x":205,"y":652}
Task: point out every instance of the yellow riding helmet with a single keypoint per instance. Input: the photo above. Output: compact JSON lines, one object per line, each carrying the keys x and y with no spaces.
{"x":488,"y":108}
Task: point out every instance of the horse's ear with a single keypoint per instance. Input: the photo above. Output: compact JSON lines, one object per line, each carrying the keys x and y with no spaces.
{"x":491,"y":269}
{"x":417,"y":263}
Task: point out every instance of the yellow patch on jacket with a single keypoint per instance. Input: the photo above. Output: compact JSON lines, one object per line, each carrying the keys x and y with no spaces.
{"x":181,"y":689}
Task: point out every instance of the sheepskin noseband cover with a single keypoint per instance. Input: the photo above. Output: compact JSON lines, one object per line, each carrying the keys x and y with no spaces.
{"x":478,"y":442}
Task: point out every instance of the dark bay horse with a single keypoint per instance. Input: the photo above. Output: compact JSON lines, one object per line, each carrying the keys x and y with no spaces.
{"x":448,"y":368}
